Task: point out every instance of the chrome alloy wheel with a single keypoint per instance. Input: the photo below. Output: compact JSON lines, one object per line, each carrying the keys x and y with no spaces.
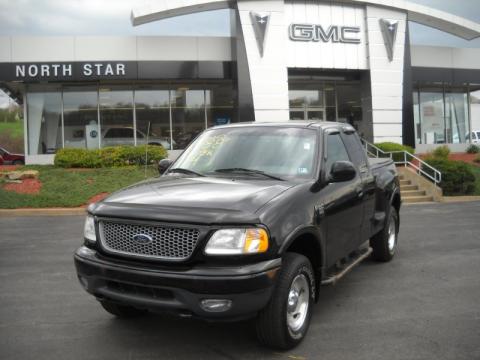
{"x":298,"y":303}
{"x":392,"y":235}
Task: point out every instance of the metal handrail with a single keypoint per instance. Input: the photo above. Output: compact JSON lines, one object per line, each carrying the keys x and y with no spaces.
{"x":407,"y":161}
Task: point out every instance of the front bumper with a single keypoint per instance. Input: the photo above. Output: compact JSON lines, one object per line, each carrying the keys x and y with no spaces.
{"x":248,"y":287}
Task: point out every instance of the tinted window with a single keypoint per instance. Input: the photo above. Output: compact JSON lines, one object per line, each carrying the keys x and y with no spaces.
{"x":126,"y":133}
{"x":139,"y":135}
{"x":110,"y":133}
{"x":355,"y":149}
{"x":335,"y":150}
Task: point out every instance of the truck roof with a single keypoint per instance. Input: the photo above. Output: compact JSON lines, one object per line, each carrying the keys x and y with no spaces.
{"x":290,"y":123}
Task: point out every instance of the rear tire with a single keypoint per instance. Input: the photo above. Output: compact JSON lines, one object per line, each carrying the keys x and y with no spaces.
{"x":284,"y":322}
{"x":18,"y":162}
{"x":122,"y":311}
{"x":384,"y":243}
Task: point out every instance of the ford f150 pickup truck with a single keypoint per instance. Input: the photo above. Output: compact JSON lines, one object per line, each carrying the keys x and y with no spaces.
{"x":248,"y":222}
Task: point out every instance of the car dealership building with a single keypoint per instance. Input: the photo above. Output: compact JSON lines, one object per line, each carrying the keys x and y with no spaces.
{"x":346,"y":60}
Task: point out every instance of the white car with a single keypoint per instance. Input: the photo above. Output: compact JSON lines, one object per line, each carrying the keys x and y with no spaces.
{"x":474,"y":136}
{"x":114,"y":136}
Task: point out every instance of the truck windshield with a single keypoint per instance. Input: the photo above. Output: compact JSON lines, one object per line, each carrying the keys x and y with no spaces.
{"x":269,"y":152}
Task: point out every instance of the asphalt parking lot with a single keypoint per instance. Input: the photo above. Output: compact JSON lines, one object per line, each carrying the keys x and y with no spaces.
{"x":423,"y":305}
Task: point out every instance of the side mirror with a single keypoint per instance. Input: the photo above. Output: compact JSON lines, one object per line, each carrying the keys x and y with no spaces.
{"x":342,"y":171}
{"x":163,"y":165}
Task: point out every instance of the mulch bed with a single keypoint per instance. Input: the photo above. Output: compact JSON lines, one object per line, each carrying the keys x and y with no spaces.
{"x":468,"y":158}
{"x":27,"y":186}
{"x":8,"y":167}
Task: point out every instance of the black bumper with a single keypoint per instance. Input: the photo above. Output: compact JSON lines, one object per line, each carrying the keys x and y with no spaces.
{"x":249,"y":287}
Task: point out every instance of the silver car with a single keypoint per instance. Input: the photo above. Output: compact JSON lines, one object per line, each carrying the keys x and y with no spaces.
{"x":113,"y":136}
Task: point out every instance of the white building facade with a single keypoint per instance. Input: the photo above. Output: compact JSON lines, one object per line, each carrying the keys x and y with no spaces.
{"x":348,"y":61}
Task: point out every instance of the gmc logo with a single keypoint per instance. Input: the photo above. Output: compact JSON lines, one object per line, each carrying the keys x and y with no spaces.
{"x":334,"y":33}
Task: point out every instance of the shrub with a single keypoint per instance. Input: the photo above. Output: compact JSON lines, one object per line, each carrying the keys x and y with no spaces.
{"x":113,"y":156}
{"x":457,"y":177}
{"x":441,"y":152}
{"x":391,"y":146}
{"x":473,"y":149}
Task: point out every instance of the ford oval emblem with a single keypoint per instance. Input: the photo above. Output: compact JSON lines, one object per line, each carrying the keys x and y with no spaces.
{"x":142,"y":238}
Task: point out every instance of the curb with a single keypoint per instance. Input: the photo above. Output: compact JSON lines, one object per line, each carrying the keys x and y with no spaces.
{"x":448,"y":200}
{"x":43,"y":212}
{"x":451,"y":199}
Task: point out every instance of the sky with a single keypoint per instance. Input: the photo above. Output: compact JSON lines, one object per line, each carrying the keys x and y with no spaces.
{"x":112,"y":17}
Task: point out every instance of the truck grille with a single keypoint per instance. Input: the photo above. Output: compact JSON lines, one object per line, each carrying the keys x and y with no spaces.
{"x":148,"y":240}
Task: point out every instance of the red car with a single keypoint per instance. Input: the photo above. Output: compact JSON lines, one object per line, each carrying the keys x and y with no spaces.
{"x":11,"y":159}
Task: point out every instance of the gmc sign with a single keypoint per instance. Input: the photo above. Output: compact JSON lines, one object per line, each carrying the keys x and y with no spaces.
{"x":316,"y":33}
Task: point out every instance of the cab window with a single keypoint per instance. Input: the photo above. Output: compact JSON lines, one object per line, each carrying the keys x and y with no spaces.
{"x":356,"y":150}
{"x":336,"y":151}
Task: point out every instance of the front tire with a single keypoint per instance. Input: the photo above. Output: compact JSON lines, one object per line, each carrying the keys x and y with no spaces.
{"x":121,"y":311}
{"x":284,"y":322}
{"x":384,"y":244}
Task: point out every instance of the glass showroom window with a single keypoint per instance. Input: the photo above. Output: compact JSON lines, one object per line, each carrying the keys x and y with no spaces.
{"x":116,"y":117}
{"x":80,"y":117}
{"x":152,"y":109}
{"x":432,"y":115}
{"x":442,"y":114}
{"x":456,"y":111}
{"x":44,"y":114}
{"x":350,"y":106}
{"x":219,"y":104}
{"x":416,"y":118}
{"x":307,"y":102}
{"x":188,"y":115}
{"x":330,"y":102}
{"x":475,"y":113}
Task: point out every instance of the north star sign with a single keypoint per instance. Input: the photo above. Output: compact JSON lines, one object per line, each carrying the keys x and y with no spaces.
{"x":316,"y":33}
{"x":66,"y":70}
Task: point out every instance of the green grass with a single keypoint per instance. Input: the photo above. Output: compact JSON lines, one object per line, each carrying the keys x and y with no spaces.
{"x":71,"y":188}
{"x":14,"y":128}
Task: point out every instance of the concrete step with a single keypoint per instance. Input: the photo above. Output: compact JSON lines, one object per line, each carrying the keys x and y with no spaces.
{"x":410,"y":193}
{"x":408,"y":187}
{"x":417,"y":199}
{"x":405,"y":182}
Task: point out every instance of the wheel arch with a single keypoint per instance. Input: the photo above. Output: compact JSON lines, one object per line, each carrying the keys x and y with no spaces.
{"x":396,"y":202}
{"x":308,"y":242}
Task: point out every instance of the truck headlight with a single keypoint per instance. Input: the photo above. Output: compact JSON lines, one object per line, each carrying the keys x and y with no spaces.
{"x":89,"y":229}
{"x":237,"y":242}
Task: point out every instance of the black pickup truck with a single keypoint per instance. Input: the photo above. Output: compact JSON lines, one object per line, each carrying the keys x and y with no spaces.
{"x":248,"y":222}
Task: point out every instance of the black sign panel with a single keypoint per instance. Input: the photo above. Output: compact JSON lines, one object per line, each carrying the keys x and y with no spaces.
{"x":63,"y":71}
{"x":113,"y":70}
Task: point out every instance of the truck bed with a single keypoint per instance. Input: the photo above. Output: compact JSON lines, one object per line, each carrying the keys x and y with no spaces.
{"x":377,"y":163}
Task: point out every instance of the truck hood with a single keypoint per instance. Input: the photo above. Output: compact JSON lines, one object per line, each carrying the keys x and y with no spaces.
{"x":205,"y":200}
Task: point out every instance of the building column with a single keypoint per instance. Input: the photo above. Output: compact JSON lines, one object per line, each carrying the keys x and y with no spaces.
{"x":386,"y":77}
{"x":268,"y":73}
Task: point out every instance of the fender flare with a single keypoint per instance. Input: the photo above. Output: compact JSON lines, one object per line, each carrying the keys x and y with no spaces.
{"x":306,"y":230}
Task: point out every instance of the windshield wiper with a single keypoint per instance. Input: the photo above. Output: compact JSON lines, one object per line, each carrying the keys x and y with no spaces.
{"x":248,"y":171}
{"x":184,"y":171}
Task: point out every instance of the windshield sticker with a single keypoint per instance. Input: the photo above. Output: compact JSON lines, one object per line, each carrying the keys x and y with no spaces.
{"x":306,"y":146}
{"x":302,"y":170}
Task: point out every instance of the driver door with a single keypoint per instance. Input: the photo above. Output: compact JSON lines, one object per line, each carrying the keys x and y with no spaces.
{"x":342,"y":204}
